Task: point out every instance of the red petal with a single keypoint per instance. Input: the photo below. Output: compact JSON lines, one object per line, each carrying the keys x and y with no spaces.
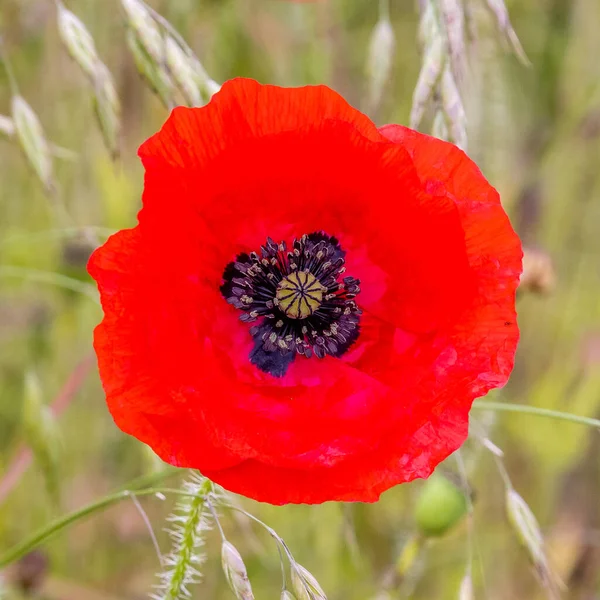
{"x":153,"y":408}
{"x":478,"y":352}
{"x":426,"y":235}
{"x":244,"y":110}
{"x":360,"y":478}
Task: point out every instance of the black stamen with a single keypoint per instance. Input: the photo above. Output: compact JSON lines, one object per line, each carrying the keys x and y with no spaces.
{"x":304,"y":308}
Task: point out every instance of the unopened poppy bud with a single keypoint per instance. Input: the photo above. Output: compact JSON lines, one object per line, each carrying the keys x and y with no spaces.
{"x":7,"y":126}
{"x":181,"y":68}
{"x":78,"y":40}
{"x":379,"y":61}
{"x":304,"y":584}
{"x":32,"y":141}
{"x":235,"y":571}
{"x":440,"y":506}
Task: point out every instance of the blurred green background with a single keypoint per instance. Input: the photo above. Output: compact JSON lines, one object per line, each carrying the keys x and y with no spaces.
{"x":534,"y":131}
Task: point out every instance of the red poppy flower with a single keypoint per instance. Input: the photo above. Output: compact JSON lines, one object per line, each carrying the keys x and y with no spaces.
{"x":308,"y":305}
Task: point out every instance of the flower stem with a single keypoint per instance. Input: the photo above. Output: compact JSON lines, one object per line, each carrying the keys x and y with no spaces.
{"x":384,"y":10}
{"x":63,"y":281}
{"x":41,"y":535}
{"x":46,"y":532}
{"x":536,"y":411}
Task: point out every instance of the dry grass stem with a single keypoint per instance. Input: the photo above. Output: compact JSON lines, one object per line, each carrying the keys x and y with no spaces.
{"x":380,"y":58}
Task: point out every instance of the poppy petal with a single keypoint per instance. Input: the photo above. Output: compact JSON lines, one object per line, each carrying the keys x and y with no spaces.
{"x":419,"y":226}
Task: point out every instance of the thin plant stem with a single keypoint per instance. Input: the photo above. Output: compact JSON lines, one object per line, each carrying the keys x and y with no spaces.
{"x":12,"y":81}
{"x":57,"y":233}
{"x":51,"y":278}
{"x":148,"y":525}
{"x":279,"y":542}
{"x":473,"y":546}
{"x":150,"y":480}
{"x":535,"y":411}
{"x":43,"y":534}
{"x":384,"y":10}
{"x":57,"y":525}
{"x":462,"y":470}
{"x":269,"y":530}
{"x":215,"y":516}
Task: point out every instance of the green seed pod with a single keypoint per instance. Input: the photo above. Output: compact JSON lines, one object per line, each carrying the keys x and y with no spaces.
{"x":440,"y":506}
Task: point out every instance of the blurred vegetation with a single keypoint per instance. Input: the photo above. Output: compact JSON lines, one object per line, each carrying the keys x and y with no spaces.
{"x":535,"y":132}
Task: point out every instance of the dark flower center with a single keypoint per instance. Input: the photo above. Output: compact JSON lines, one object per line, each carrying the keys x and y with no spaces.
{"x":298,"y":298}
